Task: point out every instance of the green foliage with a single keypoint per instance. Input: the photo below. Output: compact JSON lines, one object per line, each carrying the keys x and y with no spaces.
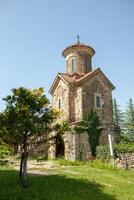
{"x":129,"y":119}
{"x":118,"y":120}
{"x":4,"y":151}
{"x":96,"y":163}
{"x":124,"y":120}
{"x":126,"y":137}
{"x":117,"y":114}
{"x":101,"y":164}
{"x":91,"y":125}
{"x":62,"y":161}
{"x":97,"y":180}
{"x":103,"y":151}
{"x":40,"y":158}
{"x":61,"y":128}
{"x":27,"y":113}
{"x":124,"y":148}
{"x":6,"y":129}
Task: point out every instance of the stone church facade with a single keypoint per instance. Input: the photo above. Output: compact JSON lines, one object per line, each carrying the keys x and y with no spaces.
{"x":74,"y":93}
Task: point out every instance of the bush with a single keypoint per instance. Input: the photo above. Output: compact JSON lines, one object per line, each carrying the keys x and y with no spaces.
{"x":124,"y":148}
{"x":4,"y":151}
{"x":62,"y":161}
{"x":100,"y":164}
{"x":97,"y":163}
{"x":41,"y":158}
{"x":104,"y":153}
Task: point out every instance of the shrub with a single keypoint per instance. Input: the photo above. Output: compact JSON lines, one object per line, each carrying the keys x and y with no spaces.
{"x":100,"y":164}
{"x":103,"y":151}
{"x":64,"y":162}
{"x":41,"y":158}
{"x":124,"y":148}
{"x":4,"y":151}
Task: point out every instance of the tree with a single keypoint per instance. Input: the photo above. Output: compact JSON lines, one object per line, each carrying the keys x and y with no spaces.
{"x":61,"y":128}
{"x":117,"y":114}
{"x":129,"y":119}
{"x":27,"y":114}
{"x":91,"y":125}
{"x":118,"y":119}
{"x":8,"y":131}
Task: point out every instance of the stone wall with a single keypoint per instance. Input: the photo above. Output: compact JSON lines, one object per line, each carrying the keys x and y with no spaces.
{"x":82,"y":62}
{"x":76,"y":101}
{"x":75,"y":104}
{"x":96,"y":85}
{"x":70,"y":151}
{"x":125,"y":160}
{"x":61,"y":93}
{"x":72,"y":96}
{"x":92,"y":86}
{"x":78,"y":104}
{"x":82,"y":147}
{"x":69,"y":144}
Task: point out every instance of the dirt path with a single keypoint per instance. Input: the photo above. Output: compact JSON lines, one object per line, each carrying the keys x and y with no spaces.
{"x":43,"y":167}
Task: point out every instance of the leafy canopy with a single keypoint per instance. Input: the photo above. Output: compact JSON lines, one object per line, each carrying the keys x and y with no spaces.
{"x":27,"y":113}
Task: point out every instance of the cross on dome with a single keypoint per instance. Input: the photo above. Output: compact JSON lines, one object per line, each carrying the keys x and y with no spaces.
{"x":78,"y":39}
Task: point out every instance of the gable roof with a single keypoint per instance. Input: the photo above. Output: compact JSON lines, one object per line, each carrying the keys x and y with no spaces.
{"x":78,"y":79}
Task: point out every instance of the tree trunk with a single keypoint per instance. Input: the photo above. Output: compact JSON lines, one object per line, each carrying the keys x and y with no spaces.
{"x":24,"y":171}
{"x":23,"y":164}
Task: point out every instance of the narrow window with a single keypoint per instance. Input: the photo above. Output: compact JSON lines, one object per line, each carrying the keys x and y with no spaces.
{"x":98,"y":101}
{"x":86,"y":65}
{"x":59,"y":104}
{"x":72,"y":65}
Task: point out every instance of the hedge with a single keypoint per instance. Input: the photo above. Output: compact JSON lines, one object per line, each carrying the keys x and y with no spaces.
{"x":104,"y":153}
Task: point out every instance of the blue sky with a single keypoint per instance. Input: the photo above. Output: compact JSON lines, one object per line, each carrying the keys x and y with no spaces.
{"x":33,"y":34}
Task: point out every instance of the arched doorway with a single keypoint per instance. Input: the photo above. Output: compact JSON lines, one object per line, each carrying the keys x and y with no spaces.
{"x":60,"y":147}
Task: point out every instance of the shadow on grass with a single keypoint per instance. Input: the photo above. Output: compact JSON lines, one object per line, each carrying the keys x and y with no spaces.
{"x":54,"y":187}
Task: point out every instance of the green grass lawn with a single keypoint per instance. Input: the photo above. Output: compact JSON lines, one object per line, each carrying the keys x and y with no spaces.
{"x":80,"y":182}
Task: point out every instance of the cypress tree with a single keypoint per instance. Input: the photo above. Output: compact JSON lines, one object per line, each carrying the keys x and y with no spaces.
{"x":129,"y":118}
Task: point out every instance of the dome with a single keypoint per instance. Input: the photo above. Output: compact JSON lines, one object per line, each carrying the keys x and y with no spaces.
{"x":78,"y":47}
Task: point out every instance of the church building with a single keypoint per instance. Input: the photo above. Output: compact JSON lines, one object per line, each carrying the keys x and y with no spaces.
{"x":74,"y":93}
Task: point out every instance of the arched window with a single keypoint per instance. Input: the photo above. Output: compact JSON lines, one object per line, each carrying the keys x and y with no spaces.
{"x":98,"y":100}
